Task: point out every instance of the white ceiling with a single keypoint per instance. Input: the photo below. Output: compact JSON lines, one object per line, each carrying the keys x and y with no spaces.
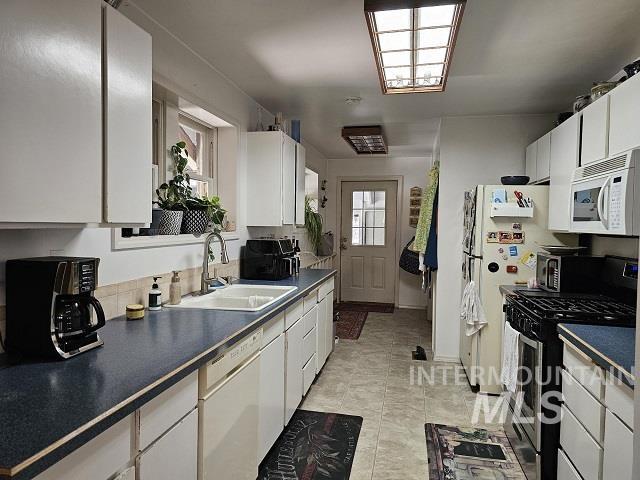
{"x":304,"y":57}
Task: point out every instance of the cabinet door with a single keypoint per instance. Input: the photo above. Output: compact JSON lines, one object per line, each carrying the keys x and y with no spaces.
{"x":271,"y":404}
{"x":329,"y":338}
{"x":624,"y":133}
{"x":618,"y":449}
{"x":288,"y":180}
{"x":264,"y":179}
{"x":51,"y":97}
{"x":174,"y":455}
{"x":100,"y":458}
{"x":322,"y":333}
{"x":127,"y":100}
{"x":565,"y":152}
{"x":293,"y":380}
{"x":530,"y":162}
{"x":543,"y":155}
{"x":300,"y":183}
{"x":595,"y":131}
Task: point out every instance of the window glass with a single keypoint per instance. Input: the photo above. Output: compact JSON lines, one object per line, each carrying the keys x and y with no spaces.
{"x":195,"y":147}
{"x":368,"y":218}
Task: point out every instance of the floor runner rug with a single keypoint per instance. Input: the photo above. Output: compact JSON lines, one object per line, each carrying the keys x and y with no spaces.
{"x":313,"y":446}
{"x":458,"y":453}
{"x":364,"y":307}
{"x":349,"y":325}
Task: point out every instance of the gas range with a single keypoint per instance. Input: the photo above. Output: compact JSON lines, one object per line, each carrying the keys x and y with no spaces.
{"x":548,"y":309}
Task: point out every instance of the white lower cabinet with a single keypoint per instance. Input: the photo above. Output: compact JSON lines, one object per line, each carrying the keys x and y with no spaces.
{"x":293,"y":375}
{"x":325,"y":329}
{"x":99,"y":459}
{"x":566,"y":471}
{"x":271,"y":399}
{"x":174,"y":454}
{"x":583,"y":450}
{"x":618,"y":450}
{"x":128,"y":474}
{"x":308,"y":374}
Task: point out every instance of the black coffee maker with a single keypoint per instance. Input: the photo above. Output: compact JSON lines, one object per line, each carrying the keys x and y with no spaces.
{"x":50,"y":306}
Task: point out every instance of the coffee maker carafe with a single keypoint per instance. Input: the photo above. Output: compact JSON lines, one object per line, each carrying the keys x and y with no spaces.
{"x":51,"y":310}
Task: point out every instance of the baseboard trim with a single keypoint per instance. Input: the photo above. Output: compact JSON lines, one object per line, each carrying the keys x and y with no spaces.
{"x":412,"y":307}
{"x":442,"y":358}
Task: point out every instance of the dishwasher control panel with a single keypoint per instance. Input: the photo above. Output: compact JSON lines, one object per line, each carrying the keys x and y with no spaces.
{"x":220,"y":367}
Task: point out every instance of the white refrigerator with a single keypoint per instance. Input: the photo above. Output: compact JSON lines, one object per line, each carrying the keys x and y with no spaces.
{"x":500,"y":244}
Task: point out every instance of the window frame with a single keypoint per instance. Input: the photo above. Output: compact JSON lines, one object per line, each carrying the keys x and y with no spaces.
{"x":209,"y":162}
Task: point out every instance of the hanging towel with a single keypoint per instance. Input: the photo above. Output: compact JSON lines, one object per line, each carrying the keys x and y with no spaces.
{"x":509,"y":373}
{"x":471,"y":311}
{"x":426,"y":210}
{"x":430,"y":260}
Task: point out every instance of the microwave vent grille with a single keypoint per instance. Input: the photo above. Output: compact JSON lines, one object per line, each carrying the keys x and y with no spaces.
{"x":599,"y":168}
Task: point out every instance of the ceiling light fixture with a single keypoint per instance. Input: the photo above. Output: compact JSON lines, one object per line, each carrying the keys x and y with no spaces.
{"x":413,"y":42}
{"x":365,"y":140}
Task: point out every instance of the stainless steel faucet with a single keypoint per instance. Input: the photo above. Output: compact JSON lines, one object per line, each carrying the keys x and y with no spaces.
{"x":224,"y":258}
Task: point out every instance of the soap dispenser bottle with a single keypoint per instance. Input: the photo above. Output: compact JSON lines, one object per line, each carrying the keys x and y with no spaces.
{"x":155,"y":296}
{"x":175,"y":290}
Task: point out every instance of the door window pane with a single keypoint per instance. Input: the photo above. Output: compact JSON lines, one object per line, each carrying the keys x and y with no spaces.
{"x":368,"y":218}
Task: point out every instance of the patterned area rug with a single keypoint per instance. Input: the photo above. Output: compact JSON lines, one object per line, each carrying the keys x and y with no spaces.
{"x":314,"y":446}
{"x":365,"y":307}
{"x":350,"y":324}
{"x":457,"y":453}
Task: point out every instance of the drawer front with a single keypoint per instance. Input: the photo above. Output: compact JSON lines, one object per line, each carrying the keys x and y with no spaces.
{"x":310,"y":301}
{"x":566,"y":471}
{"x":584,"y":370}
{"x":310,"y":319}
{"x":293,"y":314}
{"x":618,"y":450}
{"x":326,"y":288}
{"x":619,"y":399}
{"x":587,"y":409}
{"x":161,"y":413}
{"x":272,"y":329}
{"x":309,"y":343}
{"x":309,"y":374}
{"x":583,"y":451}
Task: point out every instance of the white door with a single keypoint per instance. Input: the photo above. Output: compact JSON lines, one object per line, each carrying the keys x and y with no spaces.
{"x":368,"y":241}
{"x":271,"y":405}
{"x":175,"y":454}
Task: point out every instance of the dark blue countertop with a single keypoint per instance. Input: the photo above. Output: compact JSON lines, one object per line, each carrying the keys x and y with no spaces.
{"x":612,"y":348}
{"x":49,"y":409}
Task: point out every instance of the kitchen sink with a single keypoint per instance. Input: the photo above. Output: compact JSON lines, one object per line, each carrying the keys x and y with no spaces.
{"x":246,"y":298}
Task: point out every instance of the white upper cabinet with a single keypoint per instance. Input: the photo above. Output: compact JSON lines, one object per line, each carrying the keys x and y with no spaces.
{"x":595,"y":125}
{"x":300,"y":183}
{"x":624,"y":133}
{"x":530,"y":166}
{"x":288,"y":180}
{"x":565,"y":152}
{"x":51,"y":125}
{"x":543,"y":154}
{"x":127,"y":101}
{"x":271,"y":179}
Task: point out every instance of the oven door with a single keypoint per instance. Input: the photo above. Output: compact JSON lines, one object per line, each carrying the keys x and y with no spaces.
{"x":529,"y":459}
{"x":599,"y":205}
{"x":527,"y":401}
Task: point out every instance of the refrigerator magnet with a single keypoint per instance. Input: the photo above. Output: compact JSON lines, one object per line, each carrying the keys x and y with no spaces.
{"x":516,"y":226}
{"x":492,"y":237}
{"x":512,"y":269}
{"x":529,"y":259}
{"x":513,"y":251}
{"x":505,"y":237}
{"x":517,"y":237}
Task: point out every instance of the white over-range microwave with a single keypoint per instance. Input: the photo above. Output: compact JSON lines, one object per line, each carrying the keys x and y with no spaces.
{"x":605,"y":196}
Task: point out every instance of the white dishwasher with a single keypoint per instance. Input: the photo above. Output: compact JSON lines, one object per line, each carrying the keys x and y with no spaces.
{"x":228,"y":413}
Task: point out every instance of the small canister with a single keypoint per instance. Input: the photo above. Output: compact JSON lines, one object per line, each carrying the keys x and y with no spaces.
{"x":135,"y":311}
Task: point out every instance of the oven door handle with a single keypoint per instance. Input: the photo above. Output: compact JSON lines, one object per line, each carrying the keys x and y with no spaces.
{"x":528,"y":341}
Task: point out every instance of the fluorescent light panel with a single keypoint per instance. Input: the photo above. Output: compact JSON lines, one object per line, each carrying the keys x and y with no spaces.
{"x":413,"y":46}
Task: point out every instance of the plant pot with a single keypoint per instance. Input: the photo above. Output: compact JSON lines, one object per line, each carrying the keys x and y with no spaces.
{"x":195,"y":222}
{"x":170,"y":222}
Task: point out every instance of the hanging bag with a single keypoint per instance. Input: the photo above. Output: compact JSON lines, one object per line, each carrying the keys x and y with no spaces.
{"x":410,"y":260}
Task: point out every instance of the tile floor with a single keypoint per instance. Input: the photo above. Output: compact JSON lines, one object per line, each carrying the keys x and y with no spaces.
{"x":372,"y":377}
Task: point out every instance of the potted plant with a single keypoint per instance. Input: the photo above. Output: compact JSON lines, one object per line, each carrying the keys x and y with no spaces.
{"x":201,"y":213}
{"x":173,"y":196}
{"x":313,"y":224}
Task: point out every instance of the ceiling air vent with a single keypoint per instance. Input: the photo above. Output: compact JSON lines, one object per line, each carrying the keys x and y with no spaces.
{"x":365,"y":140}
